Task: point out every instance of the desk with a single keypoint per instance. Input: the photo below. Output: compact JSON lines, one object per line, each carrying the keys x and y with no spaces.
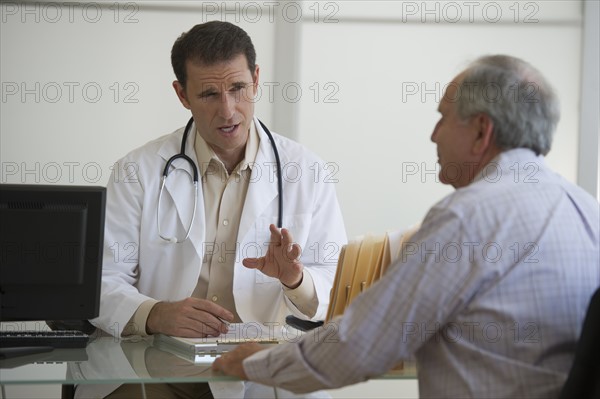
{"x":110,"y":360}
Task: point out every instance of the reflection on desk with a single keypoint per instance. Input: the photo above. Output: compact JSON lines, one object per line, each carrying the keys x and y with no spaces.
{"x":105,"y":360}
{"x":55,"y":355}
{"x":110,"y":360}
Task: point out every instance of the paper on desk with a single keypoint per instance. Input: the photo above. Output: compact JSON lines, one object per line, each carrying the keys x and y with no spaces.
{"x":242,"y":332}
{"x":199,"y":348}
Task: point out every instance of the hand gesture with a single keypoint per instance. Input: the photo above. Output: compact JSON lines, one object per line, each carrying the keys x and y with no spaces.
{"x":282,"y":259}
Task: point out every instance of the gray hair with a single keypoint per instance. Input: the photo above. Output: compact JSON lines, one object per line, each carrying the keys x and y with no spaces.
{"x":518,"y":99}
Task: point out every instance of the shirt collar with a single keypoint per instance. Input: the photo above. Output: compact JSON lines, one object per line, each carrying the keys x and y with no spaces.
{"x":506,"y":160}
{"x":206,"y":155}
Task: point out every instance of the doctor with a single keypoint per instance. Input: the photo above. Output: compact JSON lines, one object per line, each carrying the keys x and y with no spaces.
{"x":185,"y":265}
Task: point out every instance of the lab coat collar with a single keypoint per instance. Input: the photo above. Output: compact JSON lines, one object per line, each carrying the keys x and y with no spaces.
{"x":262,"y":189}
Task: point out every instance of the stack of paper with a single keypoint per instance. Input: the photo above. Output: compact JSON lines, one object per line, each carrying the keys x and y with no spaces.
{"x":200,"y":350}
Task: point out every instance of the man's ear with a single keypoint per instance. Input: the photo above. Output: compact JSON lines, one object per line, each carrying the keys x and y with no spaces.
{"x":255,"y":79}
{"x":485,"y":134}
{"x":180,"y":91}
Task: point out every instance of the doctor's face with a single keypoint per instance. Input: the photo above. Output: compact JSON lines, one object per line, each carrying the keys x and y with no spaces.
{"x":221,"y":99}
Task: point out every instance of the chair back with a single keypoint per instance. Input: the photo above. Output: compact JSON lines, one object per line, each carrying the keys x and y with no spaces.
{"x":583,"y":380}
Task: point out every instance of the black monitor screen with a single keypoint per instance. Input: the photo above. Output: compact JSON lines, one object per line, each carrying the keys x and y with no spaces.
{"x":51,"y":240}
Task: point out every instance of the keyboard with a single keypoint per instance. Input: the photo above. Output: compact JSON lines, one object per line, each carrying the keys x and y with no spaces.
{"x":54,"y":339}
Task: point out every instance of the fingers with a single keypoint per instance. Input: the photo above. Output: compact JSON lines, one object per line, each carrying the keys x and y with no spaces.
{"x":282,"y":249}
{"x":191,"y":317}
{"x":231,"y":363}
{"x":275,"y":234}
{"x":294,"y":252}
{"x":282,"y":260}
{"x":284,"y":238}
{"x":212,"y":308}
{"x":211,"y":315}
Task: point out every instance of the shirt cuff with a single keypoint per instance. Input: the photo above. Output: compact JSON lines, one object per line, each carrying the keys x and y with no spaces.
{"x":137,"y":323}
{"x":256,"y":366}
{"x":304,"y":297}
{"x":282,"y":365}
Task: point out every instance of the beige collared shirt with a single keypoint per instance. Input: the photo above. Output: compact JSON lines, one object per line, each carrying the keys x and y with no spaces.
{"x":224,"y":196}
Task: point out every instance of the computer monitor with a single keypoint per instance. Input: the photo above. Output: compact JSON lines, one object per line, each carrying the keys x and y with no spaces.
{"x":51,"y":240}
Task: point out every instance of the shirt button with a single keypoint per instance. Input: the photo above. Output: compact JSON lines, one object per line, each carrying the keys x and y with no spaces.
{"x":221,"y":259}
{"x":214,"y":298}
{"x":225,"y":222}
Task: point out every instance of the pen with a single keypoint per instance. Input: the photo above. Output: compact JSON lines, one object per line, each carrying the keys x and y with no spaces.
{"x":223,"y":321}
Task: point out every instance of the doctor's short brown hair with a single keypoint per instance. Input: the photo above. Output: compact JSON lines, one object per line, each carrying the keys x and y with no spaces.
{"x":210,"y":43}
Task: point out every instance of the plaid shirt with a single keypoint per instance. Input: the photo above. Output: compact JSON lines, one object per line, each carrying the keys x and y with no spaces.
{"x":489,"y":295}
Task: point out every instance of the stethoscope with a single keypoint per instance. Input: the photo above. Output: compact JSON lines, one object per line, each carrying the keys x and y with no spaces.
{"x":194,"y":179}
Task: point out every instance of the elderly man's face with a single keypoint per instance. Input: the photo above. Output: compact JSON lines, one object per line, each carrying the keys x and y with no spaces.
{"x":455,"y":139}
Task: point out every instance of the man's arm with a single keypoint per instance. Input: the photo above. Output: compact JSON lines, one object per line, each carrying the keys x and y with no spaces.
{"x":124,"y":310}
{"x":378,"y":329}
{"x":119,"y":298}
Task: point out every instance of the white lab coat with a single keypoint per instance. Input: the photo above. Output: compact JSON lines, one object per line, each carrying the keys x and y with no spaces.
{"x":139,"y":265}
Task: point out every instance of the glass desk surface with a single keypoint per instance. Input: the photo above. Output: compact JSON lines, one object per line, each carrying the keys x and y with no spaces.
{"x":109,"y":360}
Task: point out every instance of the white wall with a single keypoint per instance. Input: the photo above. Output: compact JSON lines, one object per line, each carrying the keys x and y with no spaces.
{"x":82,"y":85}
{"x":80,"y":92}
{"x":390,"y":68}
{"x":356,"y":65}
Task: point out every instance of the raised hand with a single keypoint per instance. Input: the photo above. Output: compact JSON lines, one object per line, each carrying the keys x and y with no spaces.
{"x":282,"y":259}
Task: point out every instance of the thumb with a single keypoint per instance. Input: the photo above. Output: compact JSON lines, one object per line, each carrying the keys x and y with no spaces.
{"x":254,"y":263}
